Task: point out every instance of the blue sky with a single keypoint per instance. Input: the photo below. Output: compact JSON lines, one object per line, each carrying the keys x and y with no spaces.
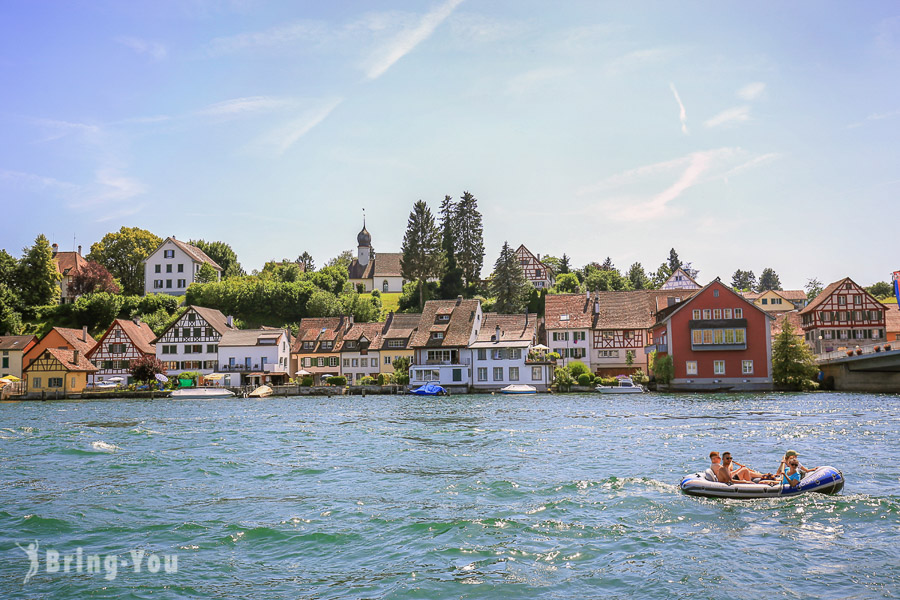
{"x":745,"y":135}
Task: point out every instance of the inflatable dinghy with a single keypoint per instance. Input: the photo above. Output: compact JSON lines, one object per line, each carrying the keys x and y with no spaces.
{"x":825,"y":480}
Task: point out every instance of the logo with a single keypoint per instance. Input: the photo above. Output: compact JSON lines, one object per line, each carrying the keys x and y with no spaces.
{"x":107,"y":565}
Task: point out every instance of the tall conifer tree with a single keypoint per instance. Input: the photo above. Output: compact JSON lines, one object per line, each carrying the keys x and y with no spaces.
{"x":469,"y":238}
{"x":422,"y":258}
{"x":38,"y":276}
{"x":508,"y":284}
{"x":451,"y":281}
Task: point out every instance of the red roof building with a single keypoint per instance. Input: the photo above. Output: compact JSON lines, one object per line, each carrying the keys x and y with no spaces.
{"x":123,"y":342}
{"x":717,"y":340}
{"x":843,"y":315}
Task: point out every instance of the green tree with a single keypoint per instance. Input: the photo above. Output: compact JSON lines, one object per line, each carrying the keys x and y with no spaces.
{"x":638,"y":277}
{"x":98,"y":311}
{"x":123,"y":254}
{"x":743,"y":281}
{"x":567,"y":283}
{"x":663,"y":368}
{"x":409,"y":298}
{"x":401,"y":366}
{"x":629,"y":358}
{"x":881,"y":290}
{"x":365,"y":309}
{"x":206,"y":274}
{"x":10,"y":303}
{"x":563,"y":379}
{"x":768,"y":280}
{"x":813,"y":288}
{"x":223,"y":255}
{"x":793,"y":363}
{"x":552,"y":262}
{"x":607,"y":264}
{"x":469,"y":238}
{"x":674,"y":263}
{"x":564,"y":264}
{"x":577,"y":368}
{"x":37,"y":275}
{"x":146,"y":368}
{"x":323,"y":304}
{"x":606,"y":280}
{"x":422,"y":258}
{"x":508,"y":283}
{"x":452,"y":280}
{"x":344,"y":259}
{"x":306,"y":261}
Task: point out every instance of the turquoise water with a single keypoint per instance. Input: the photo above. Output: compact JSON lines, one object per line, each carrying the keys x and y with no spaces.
{"x":570,"y":496}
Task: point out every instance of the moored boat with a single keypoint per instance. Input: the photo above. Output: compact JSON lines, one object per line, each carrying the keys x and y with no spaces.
{"x":518,"y":389}
{"x":430,"y":389}
{"x":626,"y":386}
{"x":262,"y":391}
{"x":201,"y":393}
{"x":824,"y":480}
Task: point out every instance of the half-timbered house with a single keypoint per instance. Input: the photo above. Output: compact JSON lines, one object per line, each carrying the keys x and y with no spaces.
{"x":61,"y":338}
{"x":843,"y":315}
{"x":123,"y":342}
{"x":680,"y":280}
{"x":192,"y":342}
{"x":539,"y":274}
{"x":68,"y":264}
{"x":57,"y":371}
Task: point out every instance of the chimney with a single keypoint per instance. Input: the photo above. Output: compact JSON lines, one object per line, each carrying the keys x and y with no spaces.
{"x":55,"y":248}
{"x":459,"y":300}
{"x":539,"y":257}
{"x":84,"y":334}
{"x":588,"y":296}
{"x":79,"y":249}
{"x":75,"y":357}
{"x":137,"y":320}
{"x":596,"y":306}
{"x":497,"y":333}
{"x":229,"y":320}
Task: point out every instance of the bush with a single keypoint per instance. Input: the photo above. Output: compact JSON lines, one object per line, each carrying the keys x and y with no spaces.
{"x":577,"y":368}
{"x":584,"y":379}
{"x":384,"y":378}
{"x":563,"y":379}
{"x":336,"y":380}
{"x":663,"y":368}
{"x":367,"y":380}
{"x":608,"y":381}
{"x":306,"y":381}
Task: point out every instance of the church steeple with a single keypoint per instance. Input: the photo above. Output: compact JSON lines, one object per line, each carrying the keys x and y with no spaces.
{"x":364,"y":244}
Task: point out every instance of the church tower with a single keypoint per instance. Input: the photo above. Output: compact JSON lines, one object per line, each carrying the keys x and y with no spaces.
{"x":364,"y":246}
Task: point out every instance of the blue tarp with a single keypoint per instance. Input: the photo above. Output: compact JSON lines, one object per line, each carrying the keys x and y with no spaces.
{"x":430,"y":389}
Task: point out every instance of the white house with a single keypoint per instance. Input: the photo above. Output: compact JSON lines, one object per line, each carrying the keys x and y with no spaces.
{"x":371,"y":271}
{"x":501,"y":354}
{"x":172,"y":267}
{"x":568,"y":322}
{"x":441,"y":343}
{"x":257,"y":356}
{"x":680,"y":280}
{"x":192,"y":342}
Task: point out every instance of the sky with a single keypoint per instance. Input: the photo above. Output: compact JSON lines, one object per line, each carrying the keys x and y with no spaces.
{"x":744,"y":135}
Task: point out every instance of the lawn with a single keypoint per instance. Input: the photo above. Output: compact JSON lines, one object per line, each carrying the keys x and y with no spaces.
{"x":389,"y":302}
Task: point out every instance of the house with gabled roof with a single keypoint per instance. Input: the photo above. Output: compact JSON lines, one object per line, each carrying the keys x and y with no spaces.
{"x":502,"y":354}
{"x":539,"y":274}
{"x":568,"y":321}
{"x":843,"y":315}
{"x":123,"y":342}
{"x":359,"y":351}
{"x":680,"y":280}
{"x":441,"y":343}
{"x":173,"y":266}
{"x":777,"y":300}
{"x":59,"y":372}
{"x":315,"y":349}
{"x":718,"y":340}
{"x":12,"y":353}
{"x":191,"y":343}
{"x":393,"y":343}
{"x":61,"y":338}
{"x":68,"y":264}
{"x":255,"y":356}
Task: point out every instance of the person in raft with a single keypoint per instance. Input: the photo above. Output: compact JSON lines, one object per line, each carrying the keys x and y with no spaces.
{"x":734,"y":473}
{"x":785,"y":463}
{"x":790,"y":476}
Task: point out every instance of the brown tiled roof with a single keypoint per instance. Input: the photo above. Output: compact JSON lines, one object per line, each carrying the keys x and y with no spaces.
{"x":574,"y":305}
{"x":668,"y":312}
{"x":66,"y":358}
{"x":792,"y":295}
{"x":357,"y":271}
{"x":372,"y":332}
{"x":397,"y":327}
{"x":632,"y":309}
{"x":793,"y":318}
{"x":140,"y":335}
{"x":387,"y":264}
{"x":195,"y":253}
{"x":16,"y":342}
{"x":69,"y":263}
{"x":513,"y":328}
{"x":751,"y":295}
{"x":311,"y":329}
{"x":75,"y":339}
{"x":248,"y":337}
{"x":891,"y":318}
{"x":829,"y":289}
{"x":214,"y":317}
{"x":462,"y":323}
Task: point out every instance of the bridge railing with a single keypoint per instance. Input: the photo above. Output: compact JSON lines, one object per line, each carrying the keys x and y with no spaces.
{"x":867,"y":348}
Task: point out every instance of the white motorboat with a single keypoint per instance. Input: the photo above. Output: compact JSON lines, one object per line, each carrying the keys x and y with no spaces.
{"x":518,"y":389}
{"x":201,"y":393}
{"x":262,"y":391}
{"x":626,"y":386}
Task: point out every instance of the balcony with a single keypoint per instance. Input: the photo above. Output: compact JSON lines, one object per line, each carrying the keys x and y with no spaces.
{"x":258,"y":368}
{"x":656,"y":348}
{"x":437,"y":363}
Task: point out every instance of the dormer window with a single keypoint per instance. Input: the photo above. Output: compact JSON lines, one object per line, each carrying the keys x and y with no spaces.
{"x":443,"y":318}
{"x":351,"y":345}
{"x":563,"y":317}
{"x":437,"y":335}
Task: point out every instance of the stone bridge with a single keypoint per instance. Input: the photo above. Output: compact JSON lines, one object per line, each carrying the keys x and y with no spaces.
{"x":868,"y":372}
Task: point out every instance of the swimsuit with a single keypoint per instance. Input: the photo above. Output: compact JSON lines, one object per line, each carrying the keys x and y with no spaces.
{"x":788,"y":478}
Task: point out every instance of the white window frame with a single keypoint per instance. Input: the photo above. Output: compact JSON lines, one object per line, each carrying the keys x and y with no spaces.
{"x":718,"y":367}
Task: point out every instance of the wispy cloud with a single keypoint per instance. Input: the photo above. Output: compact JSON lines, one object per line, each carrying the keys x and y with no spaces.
{"x":250,"y":104}
{"x":288,"y":134}
{"x":534,"y":78}
{"x":270,"y":38}
{"x":155,"y":50}
{"x":55,"y":129}
{"x":729,"y":116}
{"x":751,"y":91}
{"x":682,"y":112}
{"x":630,"y":195}
{"x":404,"y":42}
{"x":37,"y":182}
{"x":876,"y":117}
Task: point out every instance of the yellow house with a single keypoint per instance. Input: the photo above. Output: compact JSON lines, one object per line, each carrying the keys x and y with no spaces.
{"x":58,"y":371}
{"x":777,"y":300}
{"x":394,"y":340}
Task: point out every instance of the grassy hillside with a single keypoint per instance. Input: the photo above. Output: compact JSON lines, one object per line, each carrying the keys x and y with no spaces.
{"x":389,"y":302}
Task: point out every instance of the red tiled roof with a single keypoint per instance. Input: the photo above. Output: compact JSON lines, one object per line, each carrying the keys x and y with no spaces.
{"x":214,"y":317}
{"x":387,"y":264}
{"x":397,"y":327}
{"x":319,"y":329}
{"x":140,"y":335}
{"x":66,"y":358}
{"x":462,"y":323}
{"x":512,"y":327}
{"x":357,"y":271}
{"x":891,"y":318}
{"x":69,"y":263}
{"x":16,"y":342}
{"x":792,"y":295}
{"x":195,"y":253}
{"x":75,"y":338}
{"x":576,"y":306}
{"x":633,"y":309}
{"x":793,"y":317}
{"x":371,"y":331}
{"x":829,"y":289}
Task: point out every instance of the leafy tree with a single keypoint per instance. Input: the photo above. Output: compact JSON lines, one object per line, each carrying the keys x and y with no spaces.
{"x":452,"y":280}
{"x":577,"y":368}
{"x":98,"y":310}
{"x":508,"y":284}
{"x":37,"y":275}
{"x":93,"y":277}
{"x":364,"y":309}
{"x":629,"y":358}
{"x":793,"y":363}
{"x":306,"y":261}
{"x":344,"y":259}
{"x":552,"y":262}
{"x":567,"y":283}
{"x":881,"y":290}
{"x":663,"y":368}
{"x":323,"y":304}
{"x":331,"y":278}
{"x":469,"y":238}
{"x":409,"y":298}
{"x":563,"y":379}
{"x":146,"y":368}
{"x":564,"y":264}
{"x":422,"y":258}
{"x":638,"y":277}
{"x":813,"y":288}
{"x":606,"y":280}
{"x":662,"y":274}
{"x":285,"y":271}
{"x":401,"y":370}
{"x":123,"y":254}
{"x":768,"y":280}
{"x":743,"y":281}
{"x":206,"y":274}
{"x":9,"y":267}
{"x":10,"y":303}
{"x":690,"y":270}
{"x":224,"y":256}
{"x":154,"y":302}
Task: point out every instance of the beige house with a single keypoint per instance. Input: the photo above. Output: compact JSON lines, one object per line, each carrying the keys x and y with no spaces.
{"x":12,"y":349}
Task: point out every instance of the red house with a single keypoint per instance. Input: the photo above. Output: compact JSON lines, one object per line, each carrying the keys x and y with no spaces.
{"x":717,"y":340}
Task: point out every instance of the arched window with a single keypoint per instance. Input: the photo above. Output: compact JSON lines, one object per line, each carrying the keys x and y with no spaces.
{"x":384,"y":286}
